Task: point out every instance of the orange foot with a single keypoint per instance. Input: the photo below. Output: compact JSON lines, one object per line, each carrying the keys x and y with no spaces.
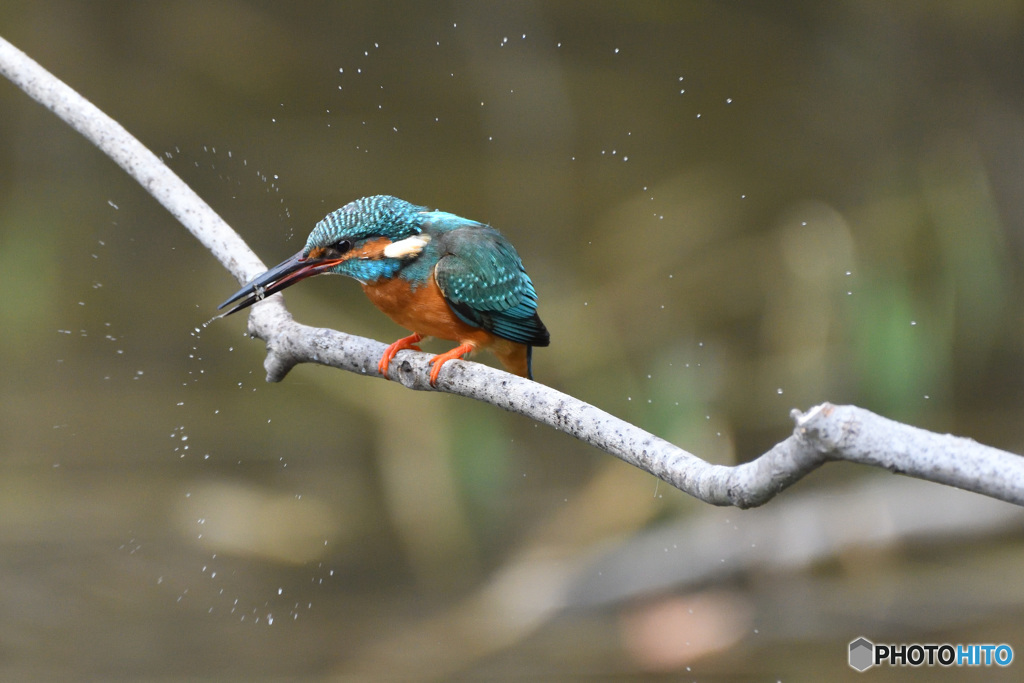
{"x":400,"y":345}
{"x":441,"y":359}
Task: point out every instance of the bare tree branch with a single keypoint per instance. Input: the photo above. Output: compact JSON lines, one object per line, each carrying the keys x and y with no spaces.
{"x":822,"y":434}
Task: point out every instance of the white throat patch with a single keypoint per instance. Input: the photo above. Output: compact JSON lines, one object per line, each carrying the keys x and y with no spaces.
{"x":407,"y":248}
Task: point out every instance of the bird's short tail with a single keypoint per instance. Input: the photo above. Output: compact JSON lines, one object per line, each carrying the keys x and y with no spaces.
{"x":517,"y":358}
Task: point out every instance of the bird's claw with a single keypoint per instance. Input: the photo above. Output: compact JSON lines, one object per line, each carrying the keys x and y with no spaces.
{"x":439,"y":360}
{"x":409,"y":342}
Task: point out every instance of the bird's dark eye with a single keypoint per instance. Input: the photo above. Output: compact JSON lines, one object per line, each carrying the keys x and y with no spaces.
{"x":342,"y":246}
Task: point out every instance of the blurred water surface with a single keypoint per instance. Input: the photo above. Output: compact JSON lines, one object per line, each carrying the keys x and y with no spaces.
{"x":729,"y":210}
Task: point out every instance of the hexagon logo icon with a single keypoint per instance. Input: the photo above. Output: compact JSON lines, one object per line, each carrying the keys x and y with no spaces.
{"x":862,"y":654}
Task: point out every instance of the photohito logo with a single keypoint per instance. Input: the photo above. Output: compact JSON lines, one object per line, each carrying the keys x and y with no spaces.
{"x":864,"y":654}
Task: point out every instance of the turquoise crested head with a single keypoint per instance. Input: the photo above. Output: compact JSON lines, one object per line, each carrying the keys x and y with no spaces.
{"x":365,"y":219}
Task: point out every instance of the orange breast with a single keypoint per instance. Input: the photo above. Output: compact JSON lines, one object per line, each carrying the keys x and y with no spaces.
{"x":425,"y":311}
{"x":422,"y":310}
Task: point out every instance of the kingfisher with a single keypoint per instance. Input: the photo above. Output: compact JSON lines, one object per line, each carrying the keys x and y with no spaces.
{"x":432,"y":272}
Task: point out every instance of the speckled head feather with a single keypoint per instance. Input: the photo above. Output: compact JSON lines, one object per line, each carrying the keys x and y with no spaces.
{"x":376,"y":216}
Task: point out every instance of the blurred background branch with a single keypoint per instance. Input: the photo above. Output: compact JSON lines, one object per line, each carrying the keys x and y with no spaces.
{"x":676,"y":583}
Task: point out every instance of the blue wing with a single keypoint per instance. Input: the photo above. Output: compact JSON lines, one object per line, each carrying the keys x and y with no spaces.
{"x":482,"y":279}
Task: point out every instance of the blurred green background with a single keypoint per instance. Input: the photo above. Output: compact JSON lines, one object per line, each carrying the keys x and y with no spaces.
{"x":729,"y":210}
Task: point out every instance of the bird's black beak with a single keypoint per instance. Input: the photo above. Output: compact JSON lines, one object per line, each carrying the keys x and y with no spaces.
{"x":284,"y":274}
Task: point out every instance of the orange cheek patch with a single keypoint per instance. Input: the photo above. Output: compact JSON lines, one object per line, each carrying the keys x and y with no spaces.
{"x":370,"y":250}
